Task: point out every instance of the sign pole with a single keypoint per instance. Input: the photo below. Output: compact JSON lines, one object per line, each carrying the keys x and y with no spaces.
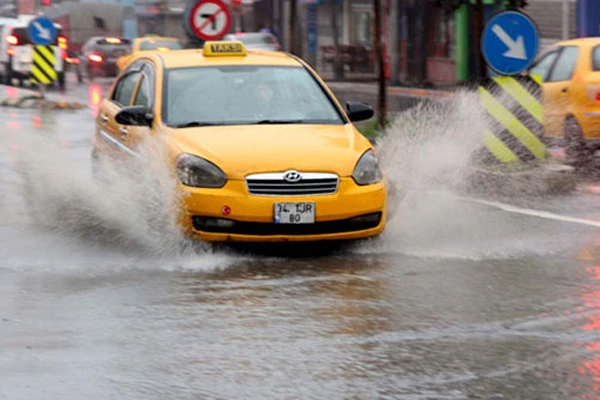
{"x":382,"y":91}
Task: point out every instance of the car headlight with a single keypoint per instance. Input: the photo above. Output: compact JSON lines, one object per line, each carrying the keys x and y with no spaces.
{"x":198,"y":172}
{"x":367,"y":170}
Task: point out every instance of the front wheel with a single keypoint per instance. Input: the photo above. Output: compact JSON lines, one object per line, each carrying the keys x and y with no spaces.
{"x":577,"y":152}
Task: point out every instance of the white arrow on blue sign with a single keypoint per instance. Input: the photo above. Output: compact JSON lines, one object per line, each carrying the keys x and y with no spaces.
{"x":510,"y":42}
{"x":41,"y":31}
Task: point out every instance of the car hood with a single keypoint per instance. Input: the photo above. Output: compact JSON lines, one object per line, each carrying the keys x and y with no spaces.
{"x":243,"y":150}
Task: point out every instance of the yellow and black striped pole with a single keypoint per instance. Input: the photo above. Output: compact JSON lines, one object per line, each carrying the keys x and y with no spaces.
{"x":42,"y":69}
{"x":513,"y":105}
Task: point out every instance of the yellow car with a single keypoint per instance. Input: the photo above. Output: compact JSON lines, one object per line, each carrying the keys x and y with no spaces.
{"x":148,"y":43}
{"x":571,"y":95}
{"x":261,"y":148}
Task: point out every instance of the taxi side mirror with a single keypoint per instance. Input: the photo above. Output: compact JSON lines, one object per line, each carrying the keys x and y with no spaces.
{"x":358,"y":111}
{"x":135,"y":116}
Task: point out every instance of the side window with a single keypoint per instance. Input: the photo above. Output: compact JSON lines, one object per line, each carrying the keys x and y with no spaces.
{"x":542,"y":67}
{"x":596,"y":58}
{"x":125,"y":88}
{"x":143,"y":95}
{"x":565,"y":65}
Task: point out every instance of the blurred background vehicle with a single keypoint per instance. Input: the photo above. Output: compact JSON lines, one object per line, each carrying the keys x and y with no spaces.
{"x":571,"y":92}
{"x":149,"y":43}
{"x":256,"y":40}
{"x":99,"y":57}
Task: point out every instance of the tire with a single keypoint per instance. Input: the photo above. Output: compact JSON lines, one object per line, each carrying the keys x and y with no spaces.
{"x":577,"y":152}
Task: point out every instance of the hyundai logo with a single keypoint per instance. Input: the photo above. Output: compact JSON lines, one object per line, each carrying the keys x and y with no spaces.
{"x":292,"y":176}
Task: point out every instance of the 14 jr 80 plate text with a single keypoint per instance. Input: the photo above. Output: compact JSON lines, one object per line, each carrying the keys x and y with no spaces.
{"x":295,"y":213}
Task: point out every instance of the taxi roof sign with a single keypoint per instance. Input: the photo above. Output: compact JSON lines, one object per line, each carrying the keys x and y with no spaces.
{"x":224,"y":49}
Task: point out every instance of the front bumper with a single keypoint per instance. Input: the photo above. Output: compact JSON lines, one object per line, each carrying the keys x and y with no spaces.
{"x":353,"y":212}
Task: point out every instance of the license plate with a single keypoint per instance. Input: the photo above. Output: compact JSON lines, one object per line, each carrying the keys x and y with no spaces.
{"x":295,"y":213}
{"x":23,"y":55}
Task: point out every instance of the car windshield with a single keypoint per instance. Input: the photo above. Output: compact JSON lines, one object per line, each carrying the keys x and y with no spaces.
{"x":153,"y":44}
{"x":243,"y":95}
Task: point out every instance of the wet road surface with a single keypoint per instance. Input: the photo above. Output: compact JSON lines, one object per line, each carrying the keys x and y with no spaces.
{"x":457,"y":300}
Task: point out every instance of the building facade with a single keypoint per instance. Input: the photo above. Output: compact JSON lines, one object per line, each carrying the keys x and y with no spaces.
{"x":427,"y":41}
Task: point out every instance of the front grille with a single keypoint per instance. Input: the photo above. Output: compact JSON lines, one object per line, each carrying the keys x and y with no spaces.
{"x":360,"y":223}
{"x":275,"y":184}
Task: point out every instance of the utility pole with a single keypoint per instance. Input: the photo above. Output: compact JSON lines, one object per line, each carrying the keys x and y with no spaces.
{"x":338,"y":66}
{"x":478,"y":27}
{"x":565,"y":20}
{"x":382,"y":97}
{"x":393,"y":43}
{"x":292,"y":37}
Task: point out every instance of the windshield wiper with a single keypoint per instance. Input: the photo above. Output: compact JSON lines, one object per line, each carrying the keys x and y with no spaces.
{"x":194,"y":124}
{"x":279,"y":121}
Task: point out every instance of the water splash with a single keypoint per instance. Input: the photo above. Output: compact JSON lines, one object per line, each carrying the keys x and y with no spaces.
{"x":134,"y":204}
{"x":427,"y":154}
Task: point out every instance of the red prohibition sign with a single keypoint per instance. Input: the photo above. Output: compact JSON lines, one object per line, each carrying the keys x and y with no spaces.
{"x":212,"y":16}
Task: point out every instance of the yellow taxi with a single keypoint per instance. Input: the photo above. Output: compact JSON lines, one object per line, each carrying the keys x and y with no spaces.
{"x":571,"y":95}
{"x":149,"y":43}
{"x":261,"y":148}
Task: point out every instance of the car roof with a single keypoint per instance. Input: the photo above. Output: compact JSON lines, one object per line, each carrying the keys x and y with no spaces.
{"x":586,"y":41}
{"x":195,"y":58}
{"x":94,"y":39}
{"x":146,"y":38}
{"x":242,"y":34}
{"x":17,"y":23}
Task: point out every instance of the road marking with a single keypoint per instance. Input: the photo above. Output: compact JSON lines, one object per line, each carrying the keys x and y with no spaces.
{"x":531,"y":212}
{"x":517,"y":210}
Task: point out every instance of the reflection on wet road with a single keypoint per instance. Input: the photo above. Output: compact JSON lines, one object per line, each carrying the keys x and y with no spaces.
{"x":456,"y":301}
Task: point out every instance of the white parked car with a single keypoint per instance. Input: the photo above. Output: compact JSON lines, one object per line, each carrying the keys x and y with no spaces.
{"x":16,"y":52}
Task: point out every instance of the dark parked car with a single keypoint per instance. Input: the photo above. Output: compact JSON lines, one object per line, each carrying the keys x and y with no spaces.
{"x":99,"y":56}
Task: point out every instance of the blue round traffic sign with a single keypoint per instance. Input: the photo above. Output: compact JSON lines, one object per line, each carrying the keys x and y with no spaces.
{"x":510,"y":42}
{"x":41,"y":31}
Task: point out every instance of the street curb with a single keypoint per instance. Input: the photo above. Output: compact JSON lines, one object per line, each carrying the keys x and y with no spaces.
{"x":412,"y":92}
{"x":547,"y":179}
{"x":391,"y":90}
{"x":36,"y":102}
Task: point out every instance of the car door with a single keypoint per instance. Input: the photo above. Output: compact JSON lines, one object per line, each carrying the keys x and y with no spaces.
{"x":111,"y":136}
{"x":133,"y":136}
{"x":558,"y":91}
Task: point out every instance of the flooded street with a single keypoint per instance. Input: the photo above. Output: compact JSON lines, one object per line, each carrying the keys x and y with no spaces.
{"x":457,"y":300}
